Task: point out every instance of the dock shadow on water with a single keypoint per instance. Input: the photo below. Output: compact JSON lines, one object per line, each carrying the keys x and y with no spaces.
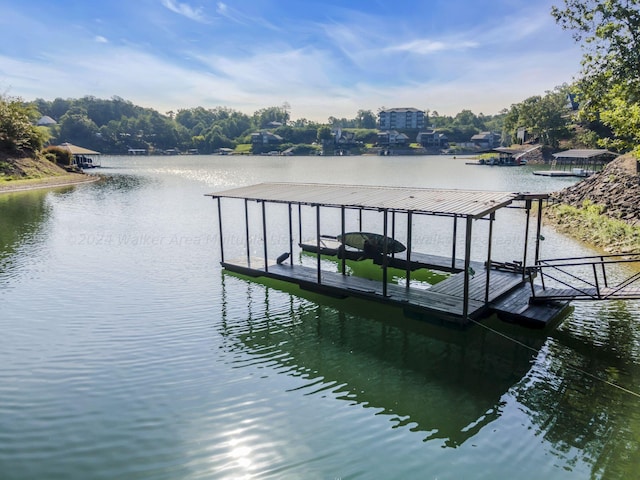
{"x":448,"y":384}
{"x":445,"y":382}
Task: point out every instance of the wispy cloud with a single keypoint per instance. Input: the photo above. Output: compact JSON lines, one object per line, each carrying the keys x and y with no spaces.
{"x":185,"y":10}
{"x":426,"y":46}
{"x":100,"y":39}
{"x":224,"y":10}
{"x":235,"y":15}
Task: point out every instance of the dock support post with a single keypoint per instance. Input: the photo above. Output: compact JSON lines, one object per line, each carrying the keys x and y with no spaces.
{"x":492,"y":218}
{"x":526,"y":238}
{"x":409,"y":235}
{"x":455,"y":235}
{"x":220,"y":230}
{"x":538,"y":231}
{"x":318,"y":242}
{"x":385,"y":250}
{"x":467,"y":265}
{"x":264,"y":235}
{"x":393,"y":231}
{"x":343,"y":260}
{"x":300,"y":223}
{"x":360,"y":220}
{"x":290,"y":236}
{"x":246,"y":230}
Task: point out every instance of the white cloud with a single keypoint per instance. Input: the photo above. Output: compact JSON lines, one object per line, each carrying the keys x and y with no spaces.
{"x":278,"y":70}
{"x":100,"y":39}
{"x":426,"y":46}
{"x":185,"y":10}
{"x":224,"y":10}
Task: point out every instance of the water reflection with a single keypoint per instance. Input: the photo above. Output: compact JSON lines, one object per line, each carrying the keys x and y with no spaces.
{"x":446,"y":383}
{"x":582,"y":392}
{"x":21,"y":224}
{"x":452,"y":384}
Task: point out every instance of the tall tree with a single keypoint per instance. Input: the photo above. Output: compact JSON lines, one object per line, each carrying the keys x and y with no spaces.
{"x":365,"y":119}
{"x":542,"y":116}
{"x":609,"y":31}
{"x":17,"y":133}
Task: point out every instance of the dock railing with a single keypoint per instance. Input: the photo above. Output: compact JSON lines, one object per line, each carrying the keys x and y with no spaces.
{"x":586,"y":278}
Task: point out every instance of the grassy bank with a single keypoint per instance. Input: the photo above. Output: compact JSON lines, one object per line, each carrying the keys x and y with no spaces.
{"x":27,"y":168}
{"x":590,"y":225}
{"x":18,"y":174}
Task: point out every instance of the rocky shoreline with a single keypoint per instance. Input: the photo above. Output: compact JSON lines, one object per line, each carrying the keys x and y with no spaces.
{"x":616,"y":189}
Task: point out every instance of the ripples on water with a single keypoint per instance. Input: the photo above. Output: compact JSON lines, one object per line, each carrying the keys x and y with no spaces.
{"x":127,"y":353}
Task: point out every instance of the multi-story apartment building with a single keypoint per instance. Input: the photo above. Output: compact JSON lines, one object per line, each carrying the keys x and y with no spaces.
{"x":400,"y":119}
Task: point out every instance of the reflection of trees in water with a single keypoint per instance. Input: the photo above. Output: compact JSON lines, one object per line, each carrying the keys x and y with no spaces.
{"x":571,"y":400}
{"x":21,"y":218}
{"x":119,"y":183}
{"x":447,"y":383}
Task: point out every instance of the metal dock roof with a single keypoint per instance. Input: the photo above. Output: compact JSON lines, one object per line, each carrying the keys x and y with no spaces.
{"x":584,"y":154}
{"x":469,"y":203}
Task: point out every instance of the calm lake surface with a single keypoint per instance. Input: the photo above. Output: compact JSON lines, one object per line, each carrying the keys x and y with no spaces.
{"x":126,"y":352}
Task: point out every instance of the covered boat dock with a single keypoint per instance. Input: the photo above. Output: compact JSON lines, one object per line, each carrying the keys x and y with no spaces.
{"x":577,"y":163}
{"x":82,"y":157}
{"x":474,"y":289}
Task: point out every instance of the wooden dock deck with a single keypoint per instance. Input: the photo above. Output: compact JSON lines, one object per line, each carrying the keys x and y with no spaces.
{"x":444,"y":301}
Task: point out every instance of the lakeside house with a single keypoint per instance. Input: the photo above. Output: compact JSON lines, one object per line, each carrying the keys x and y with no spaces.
{"x":486,"y":139}
{"x":265,"y":141}
{"x":430,"y":139}
{"x":264,"y":138}
{"x":392,"y":138}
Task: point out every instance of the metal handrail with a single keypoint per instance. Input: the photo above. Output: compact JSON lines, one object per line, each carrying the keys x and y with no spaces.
{"x":583,"y":289}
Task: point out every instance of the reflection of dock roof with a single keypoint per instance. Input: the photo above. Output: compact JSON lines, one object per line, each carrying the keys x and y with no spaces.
{"x":469,"y":203}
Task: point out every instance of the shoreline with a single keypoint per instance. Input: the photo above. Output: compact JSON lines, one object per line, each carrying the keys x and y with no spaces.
{"x":46,"y":182}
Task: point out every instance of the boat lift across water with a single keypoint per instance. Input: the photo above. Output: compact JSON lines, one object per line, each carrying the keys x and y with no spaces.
{"x":474,"y":289}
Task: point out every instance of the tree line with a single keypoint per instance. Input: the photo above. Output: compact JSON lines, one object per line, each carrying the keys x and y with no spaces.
{"x":115,"y":125}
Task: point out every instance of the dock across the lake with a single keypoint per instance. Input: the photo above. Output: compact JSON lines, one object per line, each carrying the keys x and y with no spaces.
{"x":563,"y":173}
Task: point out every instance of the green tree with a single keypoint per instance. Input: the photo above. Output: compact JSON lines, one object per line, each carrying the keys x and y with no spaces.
{"x":542,"y":116}
{"x":609,"y":31}
{"x":17,"y":133}
{"x":324,"y":133}
{"x":365,"y":119}
{"x":263,"y":117}
{"x":77,"y":127}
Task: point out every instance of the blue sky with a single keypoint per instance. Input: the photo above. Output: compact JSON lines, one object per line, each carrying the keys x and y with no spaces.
{"x":324,"y":58}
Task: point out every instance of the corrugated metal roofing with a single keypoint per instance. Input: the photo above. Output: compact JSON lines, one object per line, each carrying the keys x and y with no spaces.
{"x":76,"y":150}
{"x":472,"y":203}
{"x":579,"y":153}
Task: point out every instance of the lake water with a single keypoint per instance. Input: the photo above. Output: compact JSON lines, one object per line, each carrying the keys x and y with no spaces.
{"x":126,"y":352}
